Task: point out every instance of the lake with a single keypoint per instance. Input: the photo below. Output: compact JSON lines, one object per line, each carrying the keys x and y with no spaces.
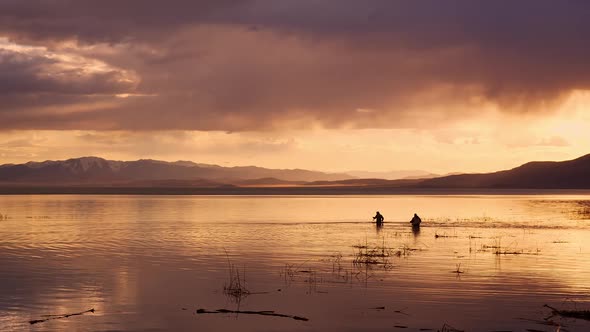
{"x":147,"y":263}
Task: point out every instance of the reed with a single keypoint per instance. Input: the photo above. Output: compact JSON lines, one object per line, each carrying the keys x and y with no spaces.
{"x":235,"y":286}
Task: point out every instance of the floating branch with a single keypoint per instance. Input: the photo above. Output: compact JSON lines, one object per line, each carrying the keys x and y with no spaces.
{"x":579,"y":314}
{"x":35,"y":321}
{"x":249,"y":312}
{"x":448,"y":328}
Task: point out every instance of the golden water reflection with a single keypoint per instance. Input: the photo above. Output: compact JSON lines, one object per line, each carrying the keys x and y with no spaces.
{"x":479,"y":263}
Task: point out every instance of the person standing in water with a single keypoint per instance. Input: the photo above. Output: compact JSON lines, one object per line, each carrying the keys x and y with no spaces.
{"x":378,"y":218}
{"x":416,"y":221}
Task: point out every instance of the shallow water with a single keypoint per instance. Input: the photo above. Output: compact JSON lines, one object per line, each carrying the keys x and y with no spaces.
{"x":139,"y":260}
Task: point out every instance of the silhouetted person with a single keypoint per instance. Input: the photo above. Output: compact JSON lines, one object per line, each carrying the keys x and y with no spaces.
{"x":378,"y":218}
{"x":416,"y":221}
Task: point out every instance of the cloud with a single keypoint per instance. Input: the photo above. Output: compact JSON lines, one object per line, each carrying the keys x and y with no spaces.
{"x":269,"y":65}
{"x":554,"y":141}
{"x":28,"y":69}
{"x":39,"y":85}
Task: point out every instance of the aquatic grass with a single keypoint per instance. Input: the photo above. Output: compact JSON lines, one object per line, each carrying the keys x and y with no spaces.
{"x":405,"y":250}
{"x":560,"y":241}
{"x":447,"y":221}
{"x":291,"y":271}
{"x":235,"y":286}
{"x":312,"y":281}
{"x":377,"y":255}
{"x":368,"y":256}
{"x":336,"y":261}
{"x":475,"y":237}
{"x":339,"y":272}
{"x":498,"y":249}
{"x":309,"y":276}
{"x":444,"y":235}
{"x":471,"y":245}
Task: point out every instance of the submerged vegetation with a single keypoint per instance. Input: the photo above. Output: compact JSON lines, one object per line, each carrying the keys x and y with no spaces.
{"x":458,"y":270}
{"x":380,"y":254}
{"x":235,"y":286}
{"x":376,"y":255}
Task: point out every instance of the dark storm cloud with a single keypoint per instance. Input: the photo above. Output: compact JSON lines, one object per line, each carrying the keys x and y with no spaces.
{"x":425,"y":23}
{"x":248,"y":65}
{"x":23,"y":73}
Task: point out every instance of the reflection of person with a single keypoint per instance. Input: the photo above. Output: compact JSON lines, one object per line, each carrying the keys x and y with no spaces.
{"x":416,"y":221}
{"x":378,"y":218}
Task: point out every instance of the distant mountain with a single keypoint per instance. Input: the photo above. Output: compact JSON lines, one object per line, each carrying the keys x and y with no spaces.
{"x":393,"y":175}
{"x":374,"y":183}
{"x":571,"y":174}
{"x":98,"y":171}
{"x":267,"y":182}
{"x":184,"y":176}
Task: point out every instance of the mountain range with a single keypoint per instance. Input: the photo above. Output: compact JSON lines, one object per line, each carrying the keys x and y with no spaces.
{"x":147,"y":173}
{"x":393,"y":175}
{"x":98,"y":171}
{"x":570,"y":174}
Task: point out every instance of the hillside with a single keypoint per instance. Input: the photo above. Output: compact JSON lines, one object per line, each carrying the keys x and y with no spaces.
{"x":98,"y":171}
{"x":571,"y":174}
{"x":101,"y":173}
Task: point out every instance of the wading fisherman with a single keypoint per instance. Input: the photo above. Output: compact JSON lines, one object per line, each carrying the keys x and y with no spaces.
{"x":416,"y":221}
{"x":378,"y":218}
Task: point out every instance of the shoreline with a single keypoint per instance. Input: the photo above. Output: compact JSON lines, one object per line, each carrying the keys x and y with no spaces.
{"x":287,"y":191}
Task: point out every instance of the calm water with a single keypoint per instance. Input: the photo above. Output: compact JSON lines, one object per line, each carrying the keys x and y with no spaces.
{"x":139,"y":260}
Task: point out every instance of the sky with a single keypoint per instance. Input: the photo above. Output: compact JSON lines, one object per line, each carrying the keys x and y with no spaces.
{"x":377,"y":85}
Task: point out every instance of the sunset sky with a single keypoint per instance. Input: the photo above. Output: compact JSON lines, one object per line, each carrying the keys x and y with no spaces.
{"x":441,"y":86}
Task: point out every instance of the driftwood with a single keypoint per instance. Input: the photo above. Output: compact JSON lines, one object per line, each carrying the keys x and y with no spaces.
{"x":448,"y":328}
{"x":579,"y":314}
{"x":249,"y":312}
{"x":50,"y":317}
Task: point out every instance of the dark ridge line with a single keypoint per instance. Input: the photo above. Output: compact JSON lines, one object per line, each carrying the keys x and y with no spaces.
{"x":293,"y":191}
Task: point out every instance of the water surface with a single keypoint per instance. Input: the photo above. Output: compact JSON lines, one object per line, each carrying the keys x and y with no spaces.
{"x":140,"y":260}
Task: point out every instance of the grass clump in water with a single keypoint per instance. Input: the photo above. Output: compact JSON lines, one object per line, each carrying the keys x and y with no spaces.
{"x":235,"y":286}
{"x":378,"y":255}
